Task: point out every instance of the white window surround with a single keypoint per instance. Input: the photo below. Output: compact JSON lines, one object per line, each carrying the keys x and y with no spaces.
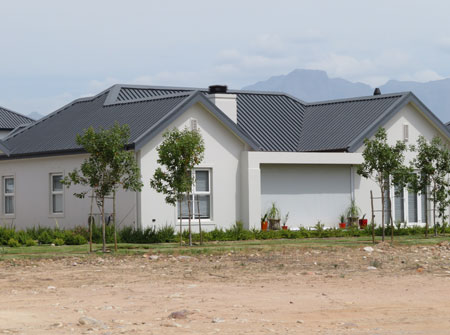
{"x":56,"y":199}
{"x":406,"y":206}
{"x":199,"y":190}
{"x":9,"y":195}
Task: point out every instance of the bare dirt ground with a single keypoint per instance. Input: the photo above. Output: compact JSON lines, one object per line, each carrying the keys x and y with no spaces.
{"x":401,"y":290}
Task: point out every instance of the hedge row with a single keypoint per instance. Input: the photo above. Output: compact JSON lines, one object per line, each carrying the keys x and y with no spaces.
{"x":80,"y":235}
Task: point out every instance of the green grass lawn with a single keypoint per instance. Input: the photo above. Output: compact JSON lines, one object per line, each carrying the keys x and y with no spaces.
{"x":46,"y":251}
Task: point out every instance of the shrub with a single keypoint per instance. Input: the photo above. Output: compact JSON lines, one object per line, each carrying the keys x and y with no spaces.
{"x":45,"y":238}
{"x":30,"y":242}
{"x":58,"y":241}
{"x":13,"y":243}
{"x":74,"y":239}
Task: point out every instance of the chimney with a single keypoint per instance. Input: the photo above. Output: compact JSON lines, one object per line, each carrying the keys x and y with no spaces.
{"x":377,"y":91}
{"x":226,"y":102}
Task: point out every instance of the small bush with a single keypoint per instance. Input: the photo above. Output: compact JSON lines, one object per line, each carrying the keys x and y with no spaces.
{"x":13,"y":243}
{"x":73,"y":239}
{"x":30,"y":242}
{"x":58,"y":241}
{"x":45,"y":238}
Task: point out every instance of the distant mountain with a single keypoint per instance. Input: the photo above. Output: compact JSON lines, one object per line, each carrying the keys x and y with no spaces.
{"x":35,"y":115}
{"x":315,"y":85}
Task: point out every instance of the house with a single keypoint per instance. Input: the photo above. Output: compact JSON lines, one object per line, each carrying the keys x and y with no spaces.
{"x":260,"y":147}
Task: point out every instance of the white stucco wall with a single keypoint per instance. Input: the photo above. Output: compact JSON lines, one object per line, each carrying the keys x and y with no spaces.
{"x":419,"y":125}
{"x":222,"y":156}
{"x":32,"y":194}
{"x":310,"y":193}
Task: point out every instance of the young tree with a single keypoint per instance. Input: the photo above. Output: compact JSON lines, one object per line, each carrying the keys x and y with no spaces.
{"x":108,"y":167}
{"x":383,"y":163}
{"x":179,"y":153}
{"x":433,"y":168}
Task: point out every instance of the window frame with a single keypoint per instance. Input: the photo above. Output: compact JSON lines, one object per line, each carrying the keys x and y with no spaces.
{"x":194,"y":193}
{"x":53,"y":192}
{"x":9,"y":195}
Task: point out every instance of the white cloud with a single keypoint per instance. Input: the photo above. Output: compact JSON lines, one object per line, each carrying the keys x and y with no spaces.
{"x":422,"y":76}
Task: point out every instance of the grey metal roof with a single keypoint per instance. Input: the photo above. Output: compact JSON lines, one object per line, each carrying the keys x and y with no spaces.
{"x":10,"y":120}
{"x":332,"y":125}
{"x":267,"y":121}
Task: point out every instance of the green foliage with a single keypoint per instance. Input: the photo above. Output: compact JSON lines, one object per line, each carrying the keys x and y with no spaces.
{"x":432,"y":163}
{"x":108,"y":167}
{"x":45,"y":237}
{"x":13,"y":243}
{"x":30,"y":242}
{"x":74,"y":239}
{"x":274,"y":213}
{"x":178,"y":154}
{"x":384,"y":163}
{"x":58,"y":241}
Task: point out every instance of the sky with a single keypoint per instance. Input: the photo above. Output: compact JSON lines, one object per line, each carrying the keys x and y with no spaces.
{"x":52,"y":52}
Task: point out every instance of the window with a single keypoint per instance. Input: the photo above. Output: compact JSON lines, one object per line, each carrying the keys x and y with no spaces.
{"x":424,"y":203}
{"x":406,"y":132}
{"x":8,"y":195}
{"x":200,"y":197}
{"x":399,"y":205}
{"x":57,"y":194}
{"x":412,"y":207}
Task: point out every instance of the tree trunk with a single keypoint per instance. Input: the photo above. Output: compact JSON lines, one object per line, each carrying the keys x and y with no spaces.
{"x":426,"y":213}
{"x":91,"y":219}
{"x":189,"y":218}
{"x":390,"y":215}
{"x":199,"y":222}
{"x":103,"y":225}
{"x":181,"y":227}
{"x":382,"y":214}
{"x":373,"y":217}
{"x":114,"y":220}
{"x":434,"y":217}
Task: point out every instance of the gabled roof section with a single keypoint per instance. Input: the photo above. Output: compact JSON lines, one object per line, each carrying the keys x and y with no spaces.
{"x":10,"y":120}
{"x":56,"y":133}
{"x":333,"y":125}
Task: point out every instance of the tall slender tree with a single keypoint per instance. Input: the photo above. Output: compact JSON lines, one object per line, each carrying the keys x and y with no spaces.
{"x":178,"y":154}
{"x":432,"y":164}
{"x":384,"y":163}
{"x":108,"y":167}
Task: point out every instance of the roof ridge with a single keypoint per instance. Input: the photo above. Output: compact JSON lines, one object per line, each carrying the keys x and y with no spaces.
{"x":19,"y":114}
{"x":59,"y":110}
{"x":364,"y":98}
{"x":146,"y":99}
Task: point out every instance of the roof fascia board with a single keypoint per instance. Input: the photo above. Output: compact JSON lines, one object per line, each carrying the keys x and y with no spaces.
{"x":430,"y":115}
{"x":408,"y":98}
{"x":4,"y":148}
{"x":382,"y":119}
{"x":192,"y":99}
{"x":159,"y":97}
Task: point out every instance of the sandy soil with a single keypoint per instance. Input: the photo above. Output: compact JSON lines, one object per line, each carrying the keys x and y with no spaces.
{"x":290,"y":291}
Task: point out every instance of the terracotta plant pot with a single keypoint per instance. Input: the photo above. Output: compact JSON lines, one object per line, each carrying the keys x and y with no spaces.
{"x":342,"y":225}
{"x":363,"y":223}
{"x":264,"y":225}
{"x":284,"y":227}
{"x":274,"y":224}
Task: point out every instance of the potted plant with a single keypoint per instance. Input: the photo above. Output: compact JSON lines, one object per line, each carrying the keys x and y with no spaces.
{"x":342,"y":223}
{"x":363,"y":222}
{"x":273,"y":214}
{"x":353,"y":213}
{"x":264,"y":223}
{"x":284,"y":226}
